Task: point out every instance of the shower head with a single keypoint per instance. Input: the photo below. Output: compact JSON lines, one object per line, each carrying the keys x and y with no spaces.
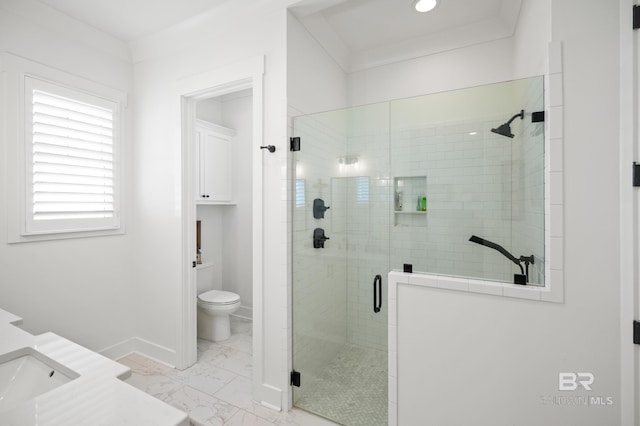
{"x":505,"y":129}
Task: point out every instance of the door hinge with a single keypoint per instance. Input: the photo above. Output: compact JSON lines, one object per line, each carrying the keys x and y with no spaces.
{"x":295,"y":144}
{"x":295,"y":378}
{"x":537,"y":116}
{"x":636,"y":174}
{"x":636,"y":332}
{"x":636,"y":16}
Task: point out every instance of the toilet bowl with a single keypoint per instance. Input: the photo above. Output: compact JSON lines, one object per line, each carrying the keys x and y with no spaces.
{"x":214,"y":308}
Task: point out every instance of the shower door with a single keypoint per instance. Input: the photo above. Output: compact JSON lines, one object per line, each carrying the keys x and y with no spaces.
{"x":341,"y":216}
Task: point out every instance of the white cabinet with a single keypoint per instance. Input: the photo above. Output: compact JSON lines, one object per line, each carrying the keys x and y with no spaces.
{"x":214,"y":163}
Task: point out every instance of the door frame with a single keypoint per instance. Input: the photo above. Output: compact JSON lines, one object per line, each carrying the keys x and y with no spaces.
{"x":629,"y":146}
{"x":247,"y":74}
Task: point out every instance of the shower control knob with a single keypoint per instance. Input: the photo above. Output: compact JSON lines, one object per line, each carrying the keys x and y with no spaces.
{"x":319,"y":238}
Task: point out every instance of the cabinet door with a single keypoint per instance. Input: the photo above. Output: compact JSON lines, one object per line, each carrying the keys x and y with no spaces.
{"x":215,"y":167}
{"x":199,"y":176}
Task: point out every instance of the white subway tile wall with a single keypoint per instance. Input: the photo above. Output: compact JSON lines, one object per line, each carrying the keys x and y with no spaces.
{"x":477,"y":183}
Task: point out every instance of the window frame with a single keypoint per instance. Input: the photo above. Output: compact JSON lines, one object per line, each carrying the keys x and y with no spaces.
{"x":18,"y":73}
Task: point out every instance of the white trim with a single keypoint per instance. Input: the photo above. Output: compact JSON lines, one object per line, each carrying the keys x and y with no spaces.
{"x":553,"y":291}
{"x":141,"y":346}
{"x":216,"y":128}
{"x":232,"y":78}
{"x":244,"y":312}
{"x":186,"y":351}
{"x":15,"y":69}
{"x":629,"y":230}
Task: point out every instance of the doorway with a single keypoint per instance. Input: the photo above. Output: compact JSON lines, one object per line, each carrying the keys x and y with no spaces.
{"x":240,"y":83}
{"x":224,"y":129}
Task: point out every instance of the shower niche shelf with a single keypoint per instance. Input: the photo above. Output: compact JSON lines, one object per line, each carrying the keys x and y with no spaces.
{"x":416,"y":212}
{"x":407,"y":190}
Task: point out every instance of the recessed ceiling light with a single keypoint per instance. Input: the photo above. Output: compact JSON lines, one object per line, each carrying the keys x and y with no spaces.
{"x":425,"y":5}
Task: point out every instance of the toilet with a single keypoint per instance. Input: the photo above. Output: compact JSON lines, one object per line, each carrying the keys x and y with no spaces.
{"x":214,"y":308}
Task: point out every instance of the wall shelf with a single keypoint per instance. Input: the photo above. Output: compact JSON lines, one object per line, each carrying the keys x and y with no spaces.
{"x":409,"y":212}
{"x":204,"y":265}
{"x":215,"y":203}
{"x":406,"y":192}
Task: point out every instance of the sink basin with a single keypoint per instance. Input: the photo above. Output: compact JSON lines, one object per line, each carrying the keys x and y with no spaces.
{"x":26,"y":373}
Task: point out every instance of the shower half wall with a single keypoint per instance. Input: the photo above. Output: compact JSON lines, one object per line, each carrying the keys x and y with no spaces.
{"x":373,"y":165}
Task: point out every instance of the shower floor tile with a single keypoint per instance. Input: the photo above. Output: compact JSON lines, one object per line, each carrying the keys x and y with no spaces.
{"x":352,"y":389}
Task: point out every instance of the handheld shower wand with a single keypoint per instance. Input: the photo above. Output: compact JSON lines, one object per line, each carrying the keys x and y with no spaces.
{"x":521,"y":278}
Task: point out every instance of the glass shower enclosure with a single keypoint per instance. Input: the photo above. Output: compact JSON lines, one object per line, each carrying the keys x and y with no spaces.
{"x":409,"y":181}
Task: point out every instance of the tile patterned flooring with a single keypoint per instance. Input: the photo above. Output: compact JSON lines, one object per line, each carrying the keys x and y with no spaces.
{"x":338,"y":392}
{"x":216,"y":390}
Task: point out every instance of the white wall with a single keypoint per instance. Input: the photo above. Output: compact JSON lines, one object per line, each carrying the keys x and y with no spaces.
{"x":497,"y":357}
{"x":235,"y":32}
{"x":81,"y":288}
{"x":209,"y":110}
{"x":315,"y":82}
{"x":237,"y":237}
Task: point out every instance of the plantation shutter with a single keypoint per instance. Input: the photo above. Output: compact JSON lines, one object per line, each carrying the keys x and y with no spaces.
{"x":362,"y":189}
{"x":72,"y":160}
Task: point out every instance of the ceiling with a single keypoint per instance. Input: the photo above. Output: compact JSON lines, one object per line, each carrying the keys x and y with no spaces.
{"x":365,"y":33}
{"x":128,"y":20}
{"x":358,"y":34}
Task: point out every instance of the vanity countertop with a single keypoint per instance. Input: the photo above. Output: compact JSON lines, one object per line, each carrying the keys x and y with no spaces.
{"x":98,"y":396}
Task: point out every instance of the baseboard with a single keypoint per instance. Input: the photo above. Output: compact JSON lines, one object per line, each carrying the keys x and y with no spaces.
{"x":244,"y":312}
{"x":269,"y":396}
{"x":143,"y":347}
{"x":119,"y":350}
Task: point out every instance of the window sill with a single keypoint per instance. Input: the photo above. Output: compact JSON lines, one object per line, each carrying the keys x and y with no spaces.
{"x":17,"y":239}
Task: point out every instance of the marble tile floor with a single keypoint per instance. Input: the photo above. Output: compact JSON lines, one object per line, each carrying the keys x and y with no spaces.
{"x":216,"y":390}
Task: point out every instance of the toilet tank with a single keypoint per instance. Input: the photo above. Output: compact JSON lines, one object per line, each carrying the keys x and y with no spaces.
{"x":205,"y":273}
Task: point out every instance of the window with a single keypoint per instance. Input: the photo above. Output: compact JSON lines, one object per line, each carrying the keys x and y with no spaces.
{"x":362,"y":189}
{"x":70,"y":160}
{"x":63,"y":153}
{"x":300,"y":193}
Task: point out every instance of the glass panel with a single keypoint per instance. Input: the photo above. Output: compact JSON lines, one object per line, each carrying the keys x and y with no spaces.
{"x":407,"y":181}
{"x":340,"y":343}
{"x":474,"y":181}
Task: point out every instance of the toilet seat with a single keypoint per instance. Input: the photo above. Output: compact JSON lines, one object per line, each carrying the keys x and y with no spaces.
{"x":218,"y":297}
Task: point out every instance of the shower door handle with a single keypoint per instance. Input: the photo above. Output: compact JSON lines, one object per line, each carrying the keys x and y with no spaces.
{"x":377,"y":294}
